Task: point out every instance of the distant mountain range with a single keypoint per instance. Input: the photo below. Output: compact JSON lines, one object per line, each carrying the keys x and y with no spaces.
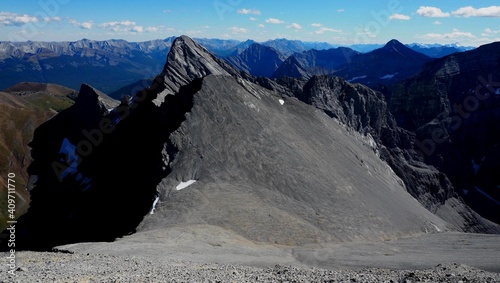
{"x":112,"y":64}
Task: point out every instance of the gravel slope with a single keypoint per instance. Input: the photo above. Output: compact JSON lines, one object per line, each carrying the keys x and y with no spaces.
{"x":62,"y":267}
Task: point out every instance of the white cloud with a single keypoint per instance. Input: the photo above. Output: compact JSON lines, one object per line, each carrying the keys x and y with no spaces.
{"x":438,"y":23}
{"x":274,"y":21}
{"x":433,"y":12}
{"x":152,"y":29}
{"x":490,"y":32}
{"x":295,"y":26}
{"x":248,"y":12}
{"x":52,"y":19}
{"x":399,"y":17}
{"x":366,"y":32}
{"x":123,"y":26}
{"x":87,"y":25}
{"x":193,"y":32}
{"x":167,"y":11}
{"x":261,"y":26}
{"x":317,"y":25}
{"x":469,"y":11}
{"x":13,"y":19}
{"x":84,"y":25}
{"x":455,"y":34}
{"x":238,"y":30}
{"x":322,"y":30}
{"x":340,"y":10}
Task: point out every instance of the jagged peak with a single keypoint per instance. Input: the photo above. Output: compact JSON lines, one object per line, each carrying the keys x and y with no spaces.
{"x":88,"y":94}
{"x":187,"y":61}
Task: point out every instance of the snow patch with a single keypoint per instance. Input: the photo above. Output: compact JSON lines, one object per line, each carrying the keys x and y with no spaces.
{"x":282,"y":102}
{"x":357,"y":78}
{"x":184,"y":185}
{"x":71,"y":161}
{"x":388,"y":76}
{"x":69,"y":149}
{"x":436,"y":227}
{"x":154,"y":205}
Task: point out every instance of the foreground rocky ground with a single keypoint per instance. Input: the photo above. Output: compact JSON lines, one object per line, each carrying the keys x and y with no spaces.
{"x":63,"y":267}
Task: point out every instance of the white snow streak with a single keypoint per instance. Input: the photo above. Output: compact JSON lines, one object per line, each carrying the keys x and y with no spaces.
{"x":154,"y":205}
{"x":357,"y":78}
{"x":387,"y":77}
{"x":184,"y":185}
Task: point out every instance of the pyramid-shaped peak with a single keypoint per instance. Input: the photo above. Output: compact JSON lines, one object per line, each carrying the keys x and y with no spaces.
{"x":187,"y":61}
{"x":88,"y":95}
{"x":393,"y":43}
{"x":395,"y":46}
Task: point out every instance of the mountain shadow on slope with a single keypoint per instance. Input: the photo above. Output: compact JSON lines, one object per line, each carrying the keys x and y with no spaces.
{"x":97,"y":168}
{"x":257,"y":60}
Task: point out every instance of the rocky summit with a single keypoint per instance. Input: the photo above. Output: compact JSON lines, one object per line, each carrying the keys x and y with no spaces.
{"x":208,"y":156}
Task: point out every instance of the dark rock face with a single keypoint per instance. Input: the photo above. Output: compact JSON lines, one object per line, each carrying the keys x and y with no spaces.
{"x":314,"y":62}
{"x":257,"y":60}
{"x":260,"y":162}
{"x":453,"y":107}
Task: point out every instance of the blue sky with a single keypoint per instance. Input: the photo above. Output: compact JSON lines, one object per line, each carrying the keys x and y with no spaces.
{"x":342,"y":22}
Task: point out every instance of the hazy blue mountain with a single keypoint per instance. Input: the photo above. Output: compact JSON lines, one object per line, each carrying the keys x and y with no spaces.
{"x":365,"y":48}
{"x":437,"y":50}
{"x":288,"y":47}
{"x":314,"y":62}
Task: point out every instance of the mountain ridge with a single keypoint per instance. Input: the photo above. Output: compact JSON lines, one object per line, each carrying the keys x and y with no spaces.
{"x":248,"y":148}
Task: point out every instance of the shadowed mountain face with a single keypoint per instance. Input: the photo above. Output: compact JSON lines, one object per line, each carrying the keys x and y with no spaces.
{"x":453,"y":107}
{"x":257,"y":60}
{"x":206,"y":146}
{"x":387,"y":65}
